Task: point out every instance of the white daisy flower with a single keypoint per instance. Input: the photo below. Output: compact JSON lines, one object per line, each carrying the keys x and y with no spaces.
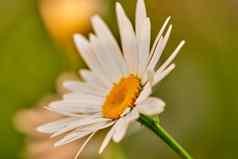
{"x":117,"y":87}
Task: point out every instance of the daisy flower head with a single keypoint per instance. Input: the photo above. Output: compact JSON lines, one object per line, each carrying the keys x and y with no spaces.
{"x":117,"y":87}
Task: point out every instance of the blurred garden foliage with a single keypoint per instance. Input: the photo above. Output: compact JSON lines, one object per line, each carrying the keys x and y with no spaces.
{"x":201,"y":94}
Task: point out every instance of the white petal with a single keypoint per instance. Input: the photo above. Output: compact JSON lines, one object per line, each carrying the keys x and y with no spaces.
{"x":140,"y":14}
{"x":80,"y":133}
{"x":152,"y":63}
{"x":54,"y":126}
{"x":128,"y":39}
{"x":159,"y":49}
{"x":120,"y":129}
{"x":171,"y":57}
{"x":147,"y":90}
{"x":74,"y":107}
{"x":159,"y":36}
{"x":73,"y":104}
{"x":143,"y":31}
{"x":144,"y":47}
{"x":70,"y":138}
{"x":87,"y":140}
{"x":84,"y":98}
{"x":86,"y":52}
{"x":151,"y":106}
{"x":132,"y":116}
{"x":110,"y":44}
{"x":105,"y":58}
{"x":107,"y":139}
{"x":122,"y":125}
{"x":64,"y":113}
{"x":92,"y":78}
{"x":156,"y":55}
{"x":77,"y":86}
{"x":161,"y":75}
{"x":148,"y":76}
{"x":96,"y":126}
{"x":79,"y":123}
{"x":84,"y":145}
{"x":90,"y":58}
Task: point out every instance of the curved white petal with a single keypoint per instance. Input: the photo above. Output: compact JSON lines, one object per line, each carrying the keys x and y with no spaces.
{"x":123,"y":123}
{"x":146,"y":91}
{"x":151,"y":106}
{"x":70,"y":138}
{"x":159,"y":36}
{"x":120,"y":129}
{"x":128,"y":39}
{"x":107,"y":139}
{"x":84,"y":144}
{"x":159,"y":49}
{"x":158,"y":76}
{"x":110,"y":44}
{"x":171,"y":57}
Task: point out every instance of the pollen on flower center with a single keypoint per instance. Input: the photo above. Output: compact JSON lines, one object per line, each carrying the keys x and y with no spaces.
{"x":122,"y":95}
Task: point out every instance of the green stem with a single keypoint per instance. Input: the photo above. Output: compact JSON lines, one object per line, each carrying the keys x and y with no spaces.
{"x":153,"y":125}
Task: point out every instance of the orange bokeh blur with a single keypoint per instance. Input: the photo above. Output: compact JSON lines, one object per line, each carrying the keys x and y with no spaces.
{"x":63,"y":18}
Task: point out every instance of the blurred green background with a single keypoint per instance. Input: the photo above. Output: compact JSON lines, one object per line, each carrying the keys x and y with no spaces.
{"x":201,"y":94}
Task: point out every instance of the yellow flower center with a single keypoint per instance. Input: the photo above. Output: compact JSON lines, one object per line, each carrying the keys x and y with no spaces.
{"x":122,"y":95}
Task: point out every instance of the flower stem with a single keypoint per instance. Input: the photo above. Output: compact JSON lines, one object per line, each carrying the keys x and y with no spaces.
{"x":153,"y":125}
